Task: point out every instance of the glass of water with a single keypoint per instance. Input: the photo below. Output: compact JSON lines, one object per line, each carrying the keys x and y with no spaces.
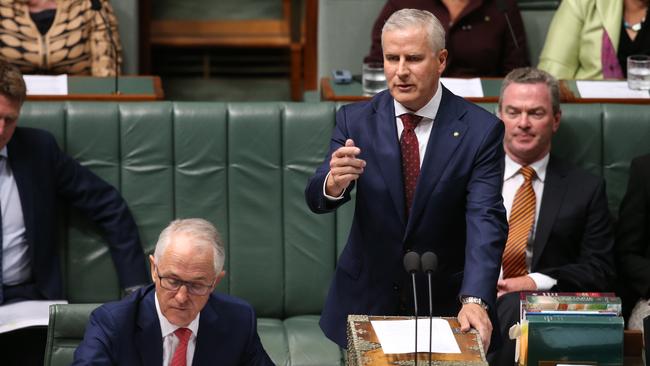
{"x":638,"y":72}
{"x":373,"y":78}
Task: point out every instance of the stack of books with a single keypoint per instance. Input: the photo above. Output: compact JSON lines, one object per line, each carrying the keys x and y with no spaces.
{"x":571,"y":327}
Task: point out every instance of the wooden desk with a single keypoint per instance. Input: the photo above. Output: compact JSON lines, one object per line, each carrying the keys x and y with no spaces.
{"x":364,"y":348}
{"x":572,"y":95}
{"x":491,"y":87}
{"x":90,"y":88}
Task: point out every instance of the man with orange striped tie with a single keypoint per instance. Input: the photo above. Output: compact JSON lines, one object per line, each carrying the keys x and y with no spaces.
{"x":560,"y":236}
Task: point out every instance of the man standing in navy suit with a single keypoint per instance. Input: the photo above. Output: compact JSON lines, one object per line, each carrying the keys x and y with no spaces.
{"x":428,"y":169}
{"x":178,"y":321}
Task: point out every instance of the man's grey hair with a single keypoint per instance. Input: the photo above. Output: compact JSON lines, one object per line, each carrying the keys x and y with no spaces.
{"x":531,"y":75}
{"x":422,"y":19}
{"x":204,"y":234}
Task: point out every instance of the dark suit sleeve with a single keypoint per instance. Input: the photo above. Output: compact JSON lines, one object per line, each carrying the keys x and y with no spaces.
{"x":316,"y":201}
{"x":254,"y":354}
{"x":592,"y":268}
{"x":96,"y":347}
{"x":102,"y":204}
{"x":632,"y":236}
{"x":486,"y":220}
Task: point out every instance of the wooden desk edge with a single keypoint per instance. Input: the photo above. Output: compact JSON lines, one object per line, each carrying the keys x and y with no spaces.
{"x":566,"y":96}
{"x":95,"y":97}
{"x":158,"y":94}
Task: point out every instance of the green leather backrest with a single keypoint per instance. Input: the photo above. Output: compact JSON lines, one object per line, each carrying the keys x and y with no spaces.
{"x":626,"y":131}
{"x":244,"y":167}
{"x":579,"y":138}
{"x":67,"y":327}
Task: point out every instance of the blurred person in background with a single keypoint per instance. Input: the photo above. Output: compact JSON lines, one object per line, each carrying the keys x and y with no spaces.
{"x":591,"y":39}
{"x":633,"y":242}
{"x":479,"y":40}
{"x":59,"y":37}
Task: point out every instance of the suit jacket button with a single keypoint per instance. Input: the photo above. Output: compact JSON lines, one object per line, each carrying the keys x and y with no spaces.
{"x":395,"y":287}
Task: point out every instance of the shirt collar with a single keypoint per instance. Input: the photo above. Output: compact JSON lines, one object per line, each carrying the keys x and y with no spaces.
{"x":168,"y":328}
{"x":429,"y":110}
{"x":3,"y":152}
{"x":512,"y":168}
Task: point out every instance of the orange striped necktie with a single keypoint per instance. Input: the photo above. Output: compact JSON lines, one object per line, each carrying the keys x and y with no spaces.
{"x":522,"y":217}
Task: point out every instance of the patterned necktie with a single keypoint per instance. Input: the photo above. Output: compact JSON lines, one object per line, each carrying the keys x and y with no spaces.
{"x":410,"y":156}
{"x":180,"y":355}
{"x":522,"y":217}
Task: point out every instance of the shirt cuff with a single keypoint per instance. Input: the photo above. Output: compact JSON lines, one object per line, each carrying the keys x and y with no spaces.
{"x":542,"y":281}
{"x":331,"y":198}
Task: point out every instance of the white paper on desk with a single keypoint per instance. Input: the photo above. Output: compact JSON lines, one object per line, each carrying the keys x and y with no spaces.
{"x":609,"y":89}
{"x":25,"y":314}
{"x":464,"y":87}
{"x":398,"y":336}
{"x":46,"y":84}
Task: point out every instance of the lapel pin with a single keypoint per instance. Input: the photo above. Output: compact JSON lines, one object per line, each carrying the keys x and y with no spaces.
{"x":456,"y":134}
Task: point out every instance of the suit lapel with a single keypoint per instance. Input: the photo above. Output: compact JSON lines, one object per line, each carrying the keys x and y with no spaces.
{"x":148,"y":336}
{"x":555,"y":188}
{"x":446,"y":135}
{"x":207,"y":340}
{"x":387,"y":151}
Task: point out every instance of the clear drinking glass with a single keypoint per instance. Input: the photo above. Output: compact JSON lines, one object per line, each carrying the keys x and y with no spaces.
{"x":638,"y":72}
{"x":373,"y":78}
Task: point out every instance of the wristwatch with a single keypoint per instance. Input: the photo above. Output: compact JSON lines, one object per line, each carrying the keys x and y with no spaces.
{"x":473,"y":300}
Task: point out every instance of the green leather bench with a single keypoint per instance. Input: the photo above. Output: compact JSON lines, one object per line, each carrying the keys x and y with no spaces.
{"x":244,"y":167}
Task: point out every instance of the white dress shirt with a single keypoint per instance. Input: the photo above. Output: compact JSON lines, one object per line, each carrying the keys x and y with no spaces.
{"x":511,"y":183}
{"x":170,"y":341}
{"x":16,"y":261}
{"x":422,"y":130}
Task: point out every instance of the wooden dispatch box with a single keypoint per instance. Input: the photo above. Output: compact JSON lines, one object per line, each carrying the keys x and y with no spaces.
{"x":364,"y":348}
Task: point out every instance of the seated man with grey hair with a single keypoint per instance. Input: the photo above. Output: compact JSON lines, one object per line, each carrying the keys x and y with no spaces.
{"x":178,"y":320}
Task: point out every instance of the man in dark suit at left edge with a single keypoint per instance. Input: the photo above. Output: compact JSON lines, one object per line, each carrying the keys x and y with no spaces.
{"x":35,"y":175}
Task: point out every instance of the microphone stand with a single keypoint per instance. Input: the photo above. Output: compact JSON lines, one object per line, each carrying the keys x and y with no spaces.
{"x":97,"y":6}
{"x":415,"y":301}
{"x":412,"y":266}
{"x":429,"y":265}
{"x":430,"y":314}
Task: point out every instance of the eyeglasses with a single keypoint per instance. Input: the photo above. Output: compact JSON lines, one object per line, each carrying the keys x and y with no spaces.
{"x":174,"y":284}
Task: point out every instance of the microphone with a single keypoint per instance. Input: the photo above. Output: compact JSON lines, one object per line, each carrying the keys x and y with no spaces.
{"x":429,"y":266}
{"x":96,"y":5}
{"x":412,"y":266}
{"x":501,"y":5}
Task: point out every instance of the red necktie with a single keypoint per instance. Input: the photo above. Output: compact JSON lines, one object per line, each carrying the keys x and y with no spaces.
{"x":522,"y":217}
{"x":180,"y":355}
{"x":410,"y":156}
